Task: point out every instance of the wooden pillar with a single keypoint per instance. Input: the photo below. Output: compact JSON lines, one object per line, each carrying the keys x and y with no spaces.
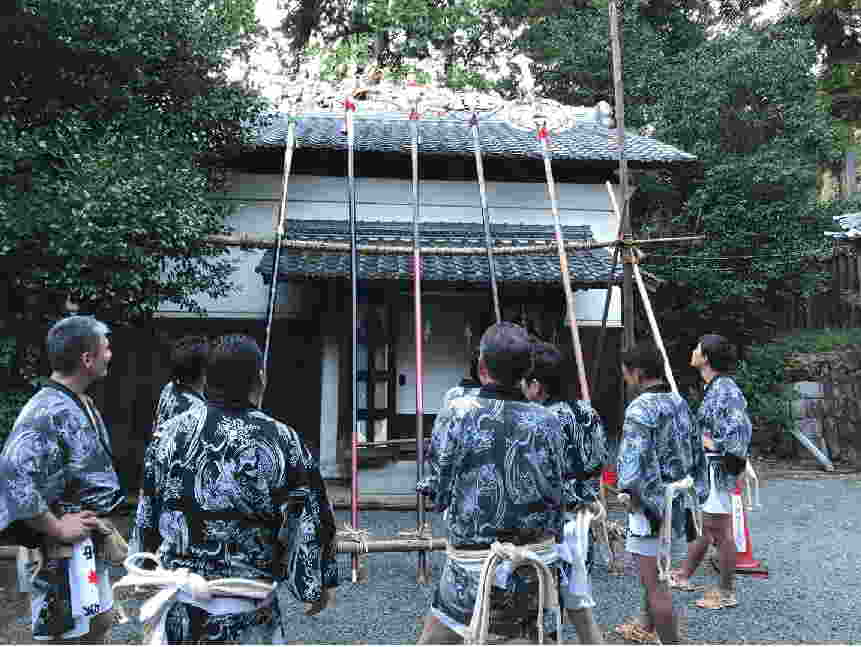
{"x":619,"y":114}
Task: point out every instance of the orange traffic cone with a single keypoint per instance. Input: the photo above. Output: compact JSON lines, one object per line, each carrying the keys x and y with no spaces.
{"x":745,"y":564}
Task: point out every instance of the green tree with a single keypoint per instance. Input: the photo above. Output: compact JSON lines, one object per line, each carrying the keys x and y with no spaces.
{"x":114,"y":122}
{"x":745,"y":103}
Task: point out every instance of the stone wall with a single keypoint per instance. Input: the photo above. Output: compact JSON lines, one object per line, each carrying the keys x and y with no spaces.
{"x":828,"y":404}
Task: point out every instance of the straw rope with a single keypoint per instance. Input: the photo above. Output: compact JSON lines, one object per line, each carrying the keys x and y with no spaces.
{"x":548,"y":589}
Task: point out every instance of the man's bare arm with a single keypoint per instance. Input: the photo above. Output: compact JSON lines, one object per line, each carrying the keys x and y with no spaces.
{"x":68,"y":529}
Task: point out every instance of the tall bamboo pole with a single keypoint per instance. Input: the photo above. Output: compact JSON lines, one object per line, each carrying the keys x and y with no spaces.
{"x":597,"y":364}
{"x":563,"y":265}
{"x":349,"y":108}
{"x":422,"y":573}
{"x":485,"y":215}
{"x":290,"y":145}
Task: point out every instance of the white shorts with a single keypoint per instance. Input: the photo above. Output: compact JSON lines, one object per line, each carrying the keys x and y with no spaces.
{"x":645,"y":546}
{"x":719,"y":501}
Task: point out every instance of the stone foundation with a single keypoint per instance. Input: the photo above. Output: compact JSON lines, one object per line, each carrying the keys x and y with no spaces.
{"x":828,"y":405}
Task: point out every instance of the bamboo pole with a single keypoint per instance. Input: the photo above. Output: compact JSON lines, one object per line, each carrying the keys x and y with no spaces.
{"x":349,"y":108}
{"x":279,"y":236}
{"x":597,"y":364}
{"x":485,"y":216}
{"x":391,"y":545}
{"x":563,"y":266}
{"x":422,"y":574}
{"x":251,"y":241}
{"x":656,"y":333}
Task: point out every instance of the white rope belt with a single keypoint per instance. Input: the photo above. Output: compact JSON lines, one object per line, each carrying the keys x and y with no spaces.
{"x":548,"y":592}
{"x":222,"y":596}
{"x":575,"y":546}
{"x":665,"y":537}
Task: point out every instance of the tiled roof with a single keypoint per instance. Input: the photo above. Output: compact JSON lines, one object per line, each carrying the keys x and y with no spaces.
{"x":390,"y":132}
{"x":589,"y":268}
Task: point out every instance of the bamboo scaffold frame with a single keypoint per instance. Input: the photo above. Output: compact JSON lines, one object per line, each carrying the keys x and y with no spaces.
{"x":357,"y":541}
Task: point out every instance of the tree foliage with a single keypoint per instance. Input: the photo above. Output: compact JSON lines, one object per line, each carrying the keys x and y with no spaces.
{"x":112,"y":124}
{"x":114,"y":120}
{"x":745,"y":103}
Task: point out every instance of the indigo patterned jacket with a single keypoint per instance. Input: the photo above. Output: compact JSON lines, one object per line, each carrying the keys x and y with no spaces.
{"x":723,"y":416}
{"x":174,"y":399}
{"x":466,"y":387}
{"x":56,"y":458}
{"x":585,"y":450}
{"x":235,"y":493}
{"x":660,"y":445}
{"x":496,"y":463}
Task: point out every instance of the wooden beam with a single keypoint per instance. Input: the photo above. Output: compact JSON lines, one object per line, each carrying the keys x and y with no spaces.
{"x":266,"y":242}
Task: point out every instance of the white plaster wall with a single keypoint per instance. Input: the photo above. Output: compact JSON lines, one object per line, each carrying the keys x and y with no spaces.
{"x":256,"y":197}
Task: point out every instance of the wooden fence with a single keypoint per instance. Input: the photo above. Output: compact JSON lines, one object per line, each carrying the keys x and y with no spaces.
{"x":837,"y":307}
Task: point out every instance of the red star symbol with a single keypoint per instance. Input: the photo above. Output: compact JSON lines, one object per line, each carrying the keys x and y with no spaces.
{"x":92,"y":578}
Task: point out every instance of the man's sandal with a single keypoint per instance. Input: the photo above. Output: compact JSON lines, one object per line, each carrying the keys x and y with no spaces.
{"x":717,"y":600}
{"x":637,"y":633}
{"x":680,"y":584}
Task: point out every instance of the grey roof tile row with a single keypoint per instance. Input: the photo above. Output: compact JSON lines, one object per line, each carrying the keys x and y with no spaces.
{"x":390,"y":132}
{"x":588,"y":268}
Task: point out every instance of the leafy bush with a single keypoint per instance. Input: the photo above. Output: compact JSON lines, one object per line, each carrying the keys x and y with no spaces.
{"x":11,"y":399}
{"x":762,"y":374}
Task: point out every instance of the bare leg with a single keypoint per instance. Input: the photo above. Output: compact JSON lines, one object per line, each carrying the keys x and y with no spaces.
{"x":587,"y":630}
{"x":436,"y":633}
{"x":100,"y":627}
{"x":696,"y":552}
{"x":646,"y":619}
{"x":726,"y":553}
{"x":660,"y":600}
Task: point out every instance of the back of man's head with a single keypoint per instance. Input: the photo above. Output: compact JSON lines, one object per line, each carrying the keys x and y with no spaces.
{"x":506,"y":351}
{"x":547,"y":367}
{"x":645,"y":356}
{"x":189,"y":357}
{"x":233,"y":372}
{"x":719,"y":352}
{"x":70,"y":338}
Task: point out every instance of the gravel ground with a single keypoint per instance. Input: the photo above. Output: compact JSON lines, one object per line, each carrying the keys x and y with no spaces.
{"x":808,"y":533}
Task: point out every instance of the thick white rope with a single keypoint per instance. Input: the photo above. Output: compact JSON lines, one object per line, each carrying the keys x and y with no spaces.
{"x":750,"y":477}
{"x":665,"y":537}
{"x":548,"y":591}
{"x":172,"y":583}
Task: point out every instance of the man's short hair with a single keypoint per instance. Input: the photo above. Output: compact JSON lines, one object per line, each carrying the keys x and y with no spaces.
{"x":547,"y":367}
{"x":235,"y":362}
{"x":188,"y":359}
{"x":507,"y":352}
{"x":719,"y":352}
{"x":646,"y":357}
{"x":70,"y":338}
